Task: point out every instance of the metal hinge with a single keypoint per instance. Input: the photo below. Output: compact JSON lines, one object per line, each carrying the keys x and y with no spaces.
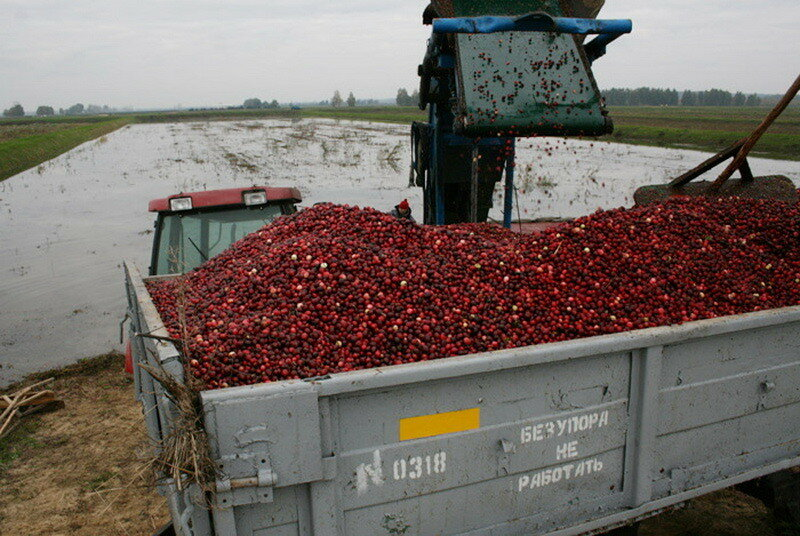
{"x":245,"y":489}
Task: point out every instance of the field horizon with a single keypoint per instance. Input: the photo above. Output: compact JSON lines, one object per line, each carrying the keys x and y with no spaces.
{"x":29,"y":141}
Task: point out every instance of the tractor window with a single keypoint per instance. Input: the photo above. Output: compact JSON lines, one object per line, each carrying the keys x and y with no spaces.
{"x":185,"y":241}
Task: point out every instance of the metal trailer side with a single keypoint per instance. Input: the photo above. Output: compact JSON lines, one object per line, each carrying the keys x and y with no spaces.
{"x":558,"y":439}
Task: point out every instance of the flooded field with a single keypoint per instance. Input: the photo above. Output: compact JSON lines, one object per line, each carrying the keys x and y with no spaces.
{"x":66,"y":226}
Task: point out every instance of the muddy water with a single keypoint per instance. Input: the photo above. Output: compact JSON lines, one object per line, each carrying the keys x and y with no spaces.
{"x":66,"y":226}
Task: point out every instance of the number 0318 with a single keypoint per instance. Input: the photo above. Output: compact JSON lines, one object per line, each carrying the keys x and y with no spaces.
{"x":415,"y":467}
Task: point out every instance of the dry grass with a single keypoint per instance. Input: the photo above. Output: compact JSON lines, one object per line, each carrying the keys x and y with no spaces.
{"x":81,"y":471}
{"x":184,"y":454}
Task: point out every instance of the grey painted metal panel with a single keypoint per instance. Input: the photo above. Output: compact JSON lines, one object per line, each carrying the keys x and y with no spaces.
{"x":281,"y":515}
{"x":267,"y":428}
{"x":572,"y":437}
{"x":730,"y":353}
{"x":503,"y":396}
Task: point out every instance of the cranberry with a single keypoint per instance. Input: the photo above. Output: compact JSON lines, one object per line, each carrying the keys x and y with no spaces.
{"x":337,"y":288}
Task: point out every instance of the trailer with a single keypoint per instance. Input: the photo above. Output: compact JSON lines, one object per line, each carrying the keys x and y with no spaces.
{"x":559,"y":439}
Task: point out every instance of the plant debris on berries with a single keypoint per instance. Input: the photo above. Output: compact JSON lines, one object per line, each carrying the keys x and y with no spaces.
{"x":337,"y":288}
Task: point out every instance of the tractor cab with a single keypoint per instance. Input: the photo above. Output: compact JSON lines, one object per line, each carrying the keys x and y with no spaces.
{"x":193,"y":227}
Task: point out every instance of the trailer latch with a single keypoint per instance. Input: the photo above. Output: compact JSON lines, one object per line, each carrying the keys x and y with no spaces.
{"x":246,"y":490}
{"x":122,"y":326}
{"x":264,"y":436}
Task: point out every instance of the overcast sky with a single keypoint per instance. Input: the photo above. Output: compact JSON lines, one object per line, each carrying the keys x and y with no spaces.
{"x":150,"y":54}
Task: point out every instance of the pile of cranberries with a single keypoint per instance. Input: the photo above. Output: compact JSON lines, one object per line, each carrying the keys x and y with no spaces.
{"x":337,"y":288}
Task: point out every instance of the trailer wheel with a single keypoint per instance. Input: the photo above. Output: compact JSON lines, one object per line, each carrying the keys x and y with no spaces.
{"x":166,"y":530}
{"x":628,"y":530}
{"x":779,"y":491}
{"x":785,"y":488}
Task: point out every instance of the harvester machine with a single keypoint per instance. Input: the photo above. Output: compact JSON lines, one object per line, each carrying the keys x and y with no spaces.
{"x":495,"y":71}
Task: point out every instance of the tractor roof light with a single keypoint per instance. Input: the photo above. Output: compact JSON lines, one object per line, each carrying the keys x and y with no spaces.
{"x":255,"y":197}
{"x":180,"y":203}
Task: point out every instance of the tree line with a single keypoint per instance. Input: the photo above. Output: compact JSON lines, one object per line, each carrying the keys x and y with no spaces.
{"x":256,"y":104}
{"x":351,"y":101}
{"x":43,"y":111}
{"x":648,"y":96}
{"x":337,"y":100}
{"x":643,"y":96}
{"x":404,"y":99}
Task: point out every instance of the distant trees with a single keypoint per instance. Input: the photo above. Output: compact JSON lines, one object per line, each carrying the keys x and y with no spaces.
{"x":45,"y":110}
{"x":15,"y":111}
{"x":351,"y":100}
{"x":94,"y":109}
{"x":689,"y":98}
{"x":255,"y":104}
{"x":337,"y":100}
{"x":753,"y":100}
{"x":720,"y":97}
{"x":643,"y":96}
{"x":646,"y":96}
{"x":715,"y":97}
{"x":404,"y":99}
{"x":75,"y":109}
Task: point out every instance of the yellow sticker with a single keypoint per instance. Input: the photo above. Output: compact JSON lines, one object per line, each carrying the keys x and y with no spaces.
{"x":440,"y":423}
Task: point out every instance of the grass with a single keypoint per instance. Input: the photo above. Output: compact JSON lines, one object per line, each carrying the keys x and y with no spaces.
{"x":25,"y":143}
{"x":771,"y":145}
{"x":83,"y":465}
{"x":82,"y":367}
{"x":706,"y":128}
{"x":97,"y":482}
{"x":20,"y":441}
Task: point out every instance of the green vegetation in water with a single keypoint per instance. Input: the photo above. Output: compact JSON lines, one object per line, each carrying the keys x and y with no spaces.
{"x":213,"y":115}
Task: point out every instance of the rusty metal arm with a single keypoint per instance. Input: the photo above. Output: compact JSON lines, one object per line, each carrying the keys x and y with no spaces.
{"x":750,"y":142}
{"x":709,"y":164}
